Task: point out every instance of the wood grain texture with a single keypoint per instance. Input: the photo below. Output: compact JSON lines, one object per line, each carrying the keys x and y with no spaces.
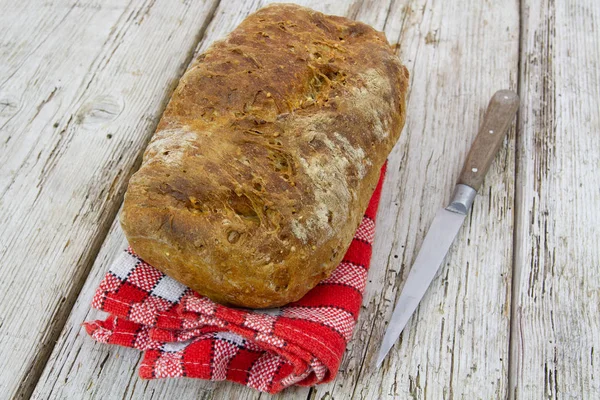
{"x":80,"y":93}
{"x":556,"y":324}
{"x":498,"y":118}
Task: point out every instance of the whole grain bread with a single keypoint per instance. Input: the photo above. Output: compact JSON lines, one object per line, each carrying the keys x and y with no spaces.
{"x":266,"y":156}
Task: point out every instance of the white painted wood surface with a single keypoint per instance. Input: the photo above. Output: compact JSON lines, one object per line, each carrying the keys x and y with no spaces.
{"x":556,"y":319}
{"x":462,"y":342}
{"x":82,"y":86}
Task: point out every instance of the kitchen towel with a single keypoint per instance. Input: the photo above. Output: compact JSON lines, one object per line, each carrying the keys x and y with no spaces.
{"x":184,"y":334}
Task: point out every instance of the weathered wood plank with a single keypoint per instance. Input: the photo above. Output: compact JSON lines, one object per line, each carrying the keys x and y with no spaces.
{"x":456,"y":61}
{"x":81,"y":87}
{"x":456,"y":345}
{"x":556,"y":324}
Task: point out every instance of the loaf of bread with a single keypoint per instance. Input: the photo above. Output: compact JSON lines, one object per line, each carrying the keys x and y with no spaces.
{"x":266,"y":156}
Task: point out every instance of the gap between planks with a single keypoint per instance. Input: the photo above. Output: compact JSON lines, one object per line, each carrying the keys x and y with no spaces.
{"x":515,"y":281}
{"x":557,"y":251}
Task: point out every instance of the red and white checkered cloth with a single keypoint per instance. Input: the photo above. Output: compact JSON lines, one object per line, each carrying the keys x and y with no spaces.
{"x":184,"y":334}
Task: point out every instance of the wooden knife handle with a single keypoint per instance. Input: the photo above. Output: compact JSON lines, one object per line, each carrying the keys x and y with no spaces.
{"x":497,"y":119}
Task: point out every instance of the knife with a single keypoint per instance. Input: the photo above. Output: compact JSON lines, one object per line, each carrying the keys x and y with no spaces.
{"x":498,"y":117}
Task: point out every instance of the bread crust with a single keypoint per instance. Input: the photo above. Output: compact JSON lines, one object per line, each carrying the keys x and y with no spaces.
{"x":266,"y":156}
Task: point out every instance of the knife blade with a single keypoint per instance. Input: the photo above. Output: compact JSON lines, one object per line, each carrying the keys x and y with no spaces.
{"x":447,"y":222}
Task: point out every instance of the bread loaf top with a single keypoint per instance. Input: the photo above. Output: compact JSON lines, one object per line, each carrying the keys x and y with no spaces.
{"x":266,"y":156}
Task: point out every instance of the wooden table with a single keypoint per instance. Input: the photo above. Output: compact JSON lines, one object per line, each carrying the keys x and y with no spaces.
{"x":514,"y":310}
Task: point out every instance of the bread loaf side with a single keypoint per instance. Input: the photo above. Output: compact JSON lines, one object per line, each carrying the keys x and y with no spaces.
{"x":266,"y":156}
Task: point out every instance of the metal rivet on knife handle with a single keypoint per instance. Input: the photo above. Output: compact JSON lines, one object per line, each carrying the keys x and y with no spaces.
{"x":498,"y":117}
